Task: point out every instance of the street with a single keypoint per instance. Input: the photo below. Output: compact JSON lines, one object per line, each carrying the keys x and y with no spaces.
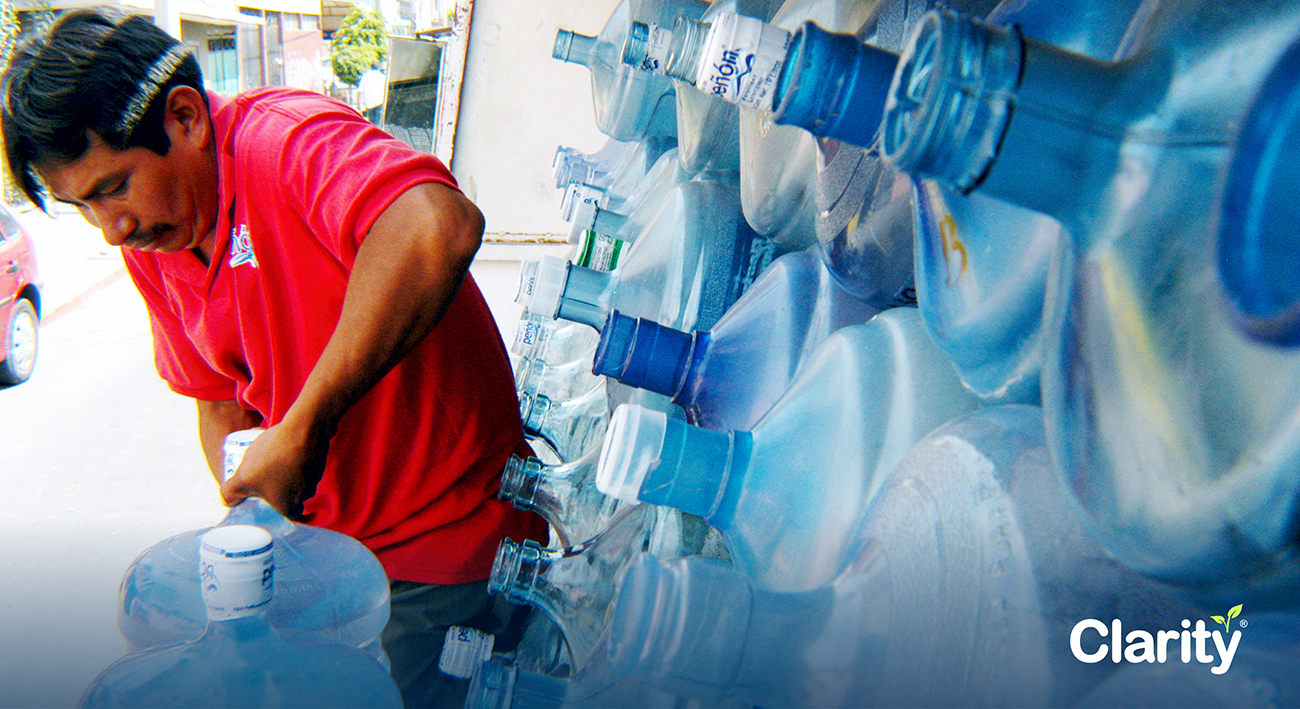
{"x":100,"y":460}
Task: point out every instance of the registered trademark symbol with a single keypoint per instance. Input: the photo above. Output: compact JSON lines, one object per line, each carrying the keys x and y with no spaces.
{"x":1244,"y":624}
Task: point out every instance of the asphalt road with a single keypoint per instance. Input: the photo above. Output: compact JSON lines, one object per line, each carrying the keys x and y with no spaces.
{"x":98,"y":461}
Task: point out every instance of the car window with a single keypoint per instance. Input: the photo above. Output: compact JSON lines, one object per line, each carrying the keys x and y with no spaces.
{"x":8,"y":226}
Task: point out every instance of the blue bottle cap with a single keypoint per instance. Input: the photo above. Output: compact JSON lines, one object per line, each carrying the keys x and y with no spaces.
{"x":643,"y":354}
{"x":1258,"y":241}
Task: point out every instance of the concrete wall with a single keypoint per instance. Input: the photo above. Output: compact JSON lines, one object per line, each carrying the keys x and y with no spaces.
{"x":517,"y":105}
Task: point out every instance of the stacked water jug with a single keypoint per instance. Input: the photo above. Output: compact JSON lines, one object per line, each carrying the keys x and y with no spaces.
{"x":917,"y":353}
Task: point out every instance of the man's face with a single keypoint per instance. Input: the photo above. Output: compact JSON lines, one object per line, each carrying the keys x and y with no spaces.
{"x":140,"y":199}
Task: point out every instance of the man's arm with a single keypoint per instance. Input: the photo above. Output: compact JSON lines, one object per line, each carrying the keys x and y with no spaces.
{"x":217,"y":419}
{"x":405,"y":276}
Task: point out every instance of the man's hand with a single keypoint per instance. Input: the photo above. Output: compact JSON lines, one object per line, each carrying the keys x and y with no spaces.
{"x":282,"y":466}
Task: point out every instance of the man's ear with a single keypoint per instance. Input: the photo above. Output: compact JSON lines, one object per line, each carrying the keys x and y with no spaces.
{"x":187,"y":118}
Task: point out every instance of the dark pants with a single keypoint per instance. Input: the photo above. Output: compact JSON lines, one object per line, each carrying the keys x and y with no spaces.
{"x":417,"y":626}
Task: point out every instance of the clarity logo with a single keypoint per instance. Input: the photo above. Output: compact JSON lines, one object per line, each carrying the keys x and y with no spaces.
{"x":1142,"y":646}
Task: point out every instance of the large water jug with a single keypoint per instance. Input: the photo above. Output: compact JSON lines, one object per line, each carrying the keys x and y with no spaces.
{"x":1256,"y":238}
{"x":728,"y":377}
{"x":622,"y":217}
{"x":330,"y":585}
{"x":1261,"y":672}
{"x":597,"y":169}
{"x":969,"y":573}
{"x":981,"y":263}
{"x":569,"y":427}
{"x":788,"y":493}
{"x":621,"y":183}
{"x":564,"y":495}
{"x":575,"y":585}
{"x":630,"y":105}
{"x":553,"y":341}
{"x":558,"y":382}
{"x":685,"y":269}
{"x":707,"y":125}
{"x":241,"y":660}
{"x":1176,"y":431}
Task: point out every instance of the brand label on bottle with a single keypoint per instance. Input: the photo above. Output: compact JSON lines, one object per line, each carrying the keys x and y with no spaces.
{"x":233,"y":449}
{"x":530,"y":338}
{"x":742,"y":60}
{"x":463,"y":650}
{"x":656,"y":50}
{"x":599,"y":252}
{"x":235,"y":584}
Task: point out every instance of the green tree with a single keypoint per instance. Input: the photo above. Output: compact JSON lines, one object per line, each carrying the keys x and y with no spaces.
{"x":361,"y":40}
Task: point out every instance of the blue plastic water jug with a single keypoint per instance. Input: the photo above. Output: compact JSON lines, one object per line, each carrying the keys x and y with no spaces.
{"x":241,"y":660}
{"x":1175,"y":431}
{"x":330,"y":585}
{"x":728,"y":377}
{"x":788,"y":493}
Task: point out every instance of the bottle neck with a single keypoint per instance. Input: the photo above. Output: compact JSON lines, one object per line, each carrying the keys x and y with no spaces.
{"x":644,"y":354}
{"x":981,"y":107}
{"x":574,"y":48}
{"x":587,"y":296}
{"x":686,"y":50}
{"x":833,"y":85}
{"x":700,"y":471}
{"x":518,"y":568}
{"x":259,"y":512}
{"x":239,"y":630}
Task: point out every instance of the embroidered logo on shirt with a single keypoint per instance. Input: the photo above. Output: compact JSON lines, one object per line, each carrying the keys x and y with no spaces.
{"x":241,"y":247}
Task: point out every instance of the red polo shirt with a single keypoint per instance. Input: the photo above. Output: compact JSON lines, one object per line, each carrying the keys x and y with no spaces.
{"x":414,"y":468}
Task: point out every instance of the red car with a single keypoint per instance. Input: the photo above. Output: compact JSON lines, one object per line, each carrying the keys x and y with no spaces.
{"x":20,"y":301}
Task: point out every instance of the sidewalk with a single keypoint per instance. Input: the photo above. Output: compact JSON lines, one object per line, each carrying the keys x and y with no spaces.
{"x":71,"y":255}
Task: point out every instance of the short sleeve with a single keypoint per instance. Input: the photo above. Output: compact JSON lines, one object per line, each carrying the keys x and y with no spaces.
{"x":339,"y":171}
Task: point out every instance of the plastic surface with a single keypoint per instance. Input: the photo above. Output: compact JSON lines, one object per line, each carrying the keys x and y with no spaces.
{"x":635,"y":441}
{"x":570,"y":427}
{"x":1256,"y":234}
{"x":788,"y":494}
{"x":728,"y":377}
{"x":967,"y":576}
{"x":564,"y":495}
{"x":558,"y":382}
{"x":330,"y":585}
{"x":244,"y":662}
{"x":1175,"y":431}
{"x":630,"y":104}
{"x":551,"y":341}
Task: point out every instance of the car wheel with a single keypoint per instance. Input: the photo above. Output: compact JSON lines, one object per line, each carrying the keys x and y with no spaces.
{"x":24,"y":337}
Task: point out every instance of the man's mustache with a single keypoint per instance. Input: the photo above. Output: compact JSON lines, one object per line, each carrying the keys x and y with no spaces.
{"x":144,"y":237}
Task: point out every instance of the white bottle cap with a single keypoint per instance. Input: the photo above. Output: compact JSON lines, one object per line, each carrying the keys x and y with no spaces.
{"x":548,"y":286}
{"x":463,"y":650}
{"x":233,"y":449}
{"x":584,"y":218}
{"x":633,"y":442}
{"x":236,"y":570}
{"x":527,"y":278}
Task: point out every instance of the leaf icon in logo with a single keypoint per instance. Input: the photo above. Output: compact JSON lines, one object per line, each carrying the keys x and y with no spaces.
{"x":1236,"y":611}
{"x":1219,"y":619}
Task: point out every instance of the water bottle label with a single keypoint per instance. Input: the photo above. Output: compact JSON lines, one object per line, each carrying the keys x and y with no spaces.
{"x":463,"y":650}
{"x":530,"y":339}
{"x":527,"y":282}
{"x":599,"y":252}
{"x":235,"y":584}
{"x":656,"y":51}
{"x":742,"y":60}
{"x":233,"y":449}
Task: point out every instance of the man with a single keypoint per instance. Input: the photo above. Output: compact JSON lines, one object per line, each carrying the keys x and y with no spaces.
{"x":305,"y":272}
{"x":373,"y":84}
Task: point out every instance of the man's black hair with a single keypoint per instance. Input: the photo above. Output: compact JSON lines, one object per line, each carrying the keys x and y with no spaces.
{"x":94,"y":70}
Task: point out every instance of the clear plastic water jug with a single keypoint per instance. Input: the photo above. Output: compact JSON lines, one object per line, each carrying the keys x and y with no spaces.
{"x":569,"y":427}
{"x":728,"y":377}
{"x":330,"y":584}
{"x":968,"y":574}
{"x":1175,"y":430}
{"x":630,"y":104}
{"x":553,"y":341}
{"x":240,"y":659}
{"x":564,"y":495}
{"x":789,"y":493}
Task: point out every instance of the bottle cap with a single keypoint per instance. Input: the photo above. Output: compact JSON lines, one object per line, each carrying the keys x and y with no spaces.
{"x":584,"y":218}
{"x":464,"y":650}
{"x":236,"y":570}
{"x":233,"y":449}
{"x":633,"y":442}
{"x":548,"y":287}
